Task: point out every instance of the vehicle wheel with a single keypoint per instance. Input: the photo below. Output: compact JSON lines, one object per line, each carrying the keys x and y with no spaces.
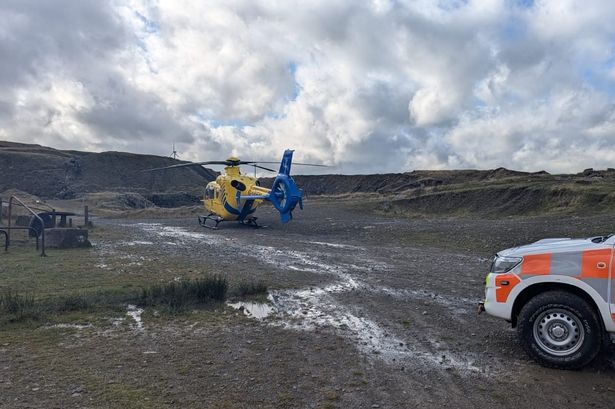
{"x":560,"y":330}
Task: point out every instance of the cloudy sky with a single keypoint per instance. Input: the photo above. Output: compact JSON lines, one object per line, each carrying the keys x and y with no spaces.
{"x":368,"y":86}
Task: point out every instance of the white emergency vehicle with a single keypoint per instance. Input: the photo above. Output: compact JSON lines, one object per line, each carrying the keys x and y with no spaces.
{"x":560,"y":294}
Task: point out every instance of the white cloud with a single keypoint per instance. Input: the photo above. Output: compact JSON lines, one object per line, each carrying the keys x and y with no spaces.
{"x":371,"y":87}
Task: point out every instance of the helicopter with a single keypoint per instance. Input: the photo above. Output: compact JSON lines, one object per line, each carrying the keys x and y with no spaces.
{"x":234,"y":196}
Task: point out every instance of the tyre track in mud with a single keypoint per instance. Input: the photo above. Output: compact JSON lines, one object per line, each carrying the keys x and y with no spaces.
{"x":347,"y":282}
{"x":323,"y":307}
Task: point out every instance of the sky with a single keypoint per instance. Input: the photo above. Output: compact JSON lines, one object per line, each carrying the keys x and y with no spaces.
{"x":365,"y":86}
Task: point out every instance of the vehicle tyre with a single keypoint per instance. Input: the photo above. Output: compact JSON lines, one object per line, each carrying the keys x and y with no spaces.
{"x":560,"y":330}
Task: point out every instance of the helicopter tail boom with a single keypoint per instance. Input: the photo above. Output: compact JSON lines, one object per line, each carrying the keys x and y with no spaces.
{"x":284,"y":194}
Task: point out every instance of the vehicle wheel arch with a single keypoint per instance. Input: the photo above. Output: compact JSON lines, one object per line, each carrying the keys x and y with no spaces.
{"x":533,"y":290}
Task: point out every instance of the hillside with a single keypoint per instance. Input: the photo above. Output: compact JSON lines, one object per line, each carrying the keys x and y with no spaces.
{"x":116,"y":180}
{"x":51,"y":173}
{"x":498,"y":192}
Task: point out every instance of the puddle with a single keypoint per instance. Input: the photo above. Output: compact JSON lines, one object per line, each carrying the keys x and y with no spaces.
{"x":253,"y":309}
{"x":135,"y":313}
{"x":335,"y":245}
{"x":317,"y":308}
{"x":72,"y":326}
{"x":178,"y":233}
{"x":281,"y":258}
{"x":458,"y":305}
{"x":308,"y":310}
{"x":138,"y":243}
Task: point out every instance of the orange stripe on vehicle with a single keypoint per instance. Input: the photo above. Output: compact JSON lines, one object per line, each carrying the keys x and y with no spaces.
{"x":613,"y":317}
{"x":536,"y":264}
{"x":503,"y":291}
{"x":595,"y":263}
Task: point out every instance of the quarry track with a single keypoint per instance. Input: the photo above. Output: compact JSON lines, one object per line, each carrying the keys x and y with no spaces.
{"x":367,"y":311}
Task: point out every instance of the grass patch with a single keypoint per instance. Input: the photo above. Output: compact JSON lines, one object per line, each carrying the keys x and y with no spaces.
{"x":177,"y":296}
{"x":18,"y":307}
{"x":15,"y":306}
{"x":245,"y":288}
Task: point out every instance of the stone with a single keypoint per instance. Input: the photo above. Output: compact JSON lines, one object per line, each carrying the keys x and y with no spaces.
{"x":66,"y":238}
{"x":23,"y":221}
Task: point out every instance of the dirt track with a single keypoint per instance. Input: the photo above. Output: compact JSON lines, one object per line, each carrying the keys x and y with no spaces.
{"x":368,"y":312}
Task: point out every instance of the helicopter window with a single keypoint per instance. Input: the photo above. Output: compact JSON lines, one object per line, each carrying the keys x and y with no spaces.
{"x":238,"y":185}
{"x":209,"y":192}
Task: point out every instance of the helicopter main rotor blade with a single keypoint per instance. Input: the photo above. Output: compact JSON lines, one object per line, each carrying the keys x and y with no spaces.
{"x":312,"y":164}
{"x":294,"y":163}
{"x":262,"y":167}
{"x":183,"y":165}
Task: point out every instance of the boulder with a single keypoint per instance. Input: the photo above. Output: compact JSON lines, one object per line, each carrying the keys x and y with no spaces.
{"x":23,"y":221}
{"x":66,"y":238}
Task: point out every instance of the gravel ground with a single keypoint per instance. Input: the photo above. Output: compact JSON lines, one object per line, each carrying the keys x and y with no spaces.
{"x":365,"y":311}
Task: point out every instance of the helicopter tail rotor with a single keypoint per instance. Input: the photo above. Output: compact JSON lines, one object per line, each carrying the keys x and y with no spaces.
{"x":285,"y":195}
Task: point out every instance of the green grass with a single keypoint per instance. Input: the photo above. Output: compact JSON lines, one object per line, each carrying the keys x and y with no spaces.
{"x":507,"y":197}
{"x":19,"y":307}
{"x":106,"y":266}
{"x":107,"y":277}
{"x":174,"y":297}
{"x":177,"y":296}
{"x":16,"y":306}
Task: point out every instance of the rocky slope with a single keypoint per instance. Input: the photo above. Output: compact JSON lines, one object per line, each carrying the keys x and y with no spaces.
{"x":119,"y":177}
{"x":52,"y":173}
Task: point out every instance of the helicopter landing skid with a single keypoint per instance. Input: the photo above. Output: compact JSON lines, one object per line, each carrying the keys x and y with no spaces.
{"x":203,"y":221}
{"x":214,"y":218}
{"x":250,"y":222}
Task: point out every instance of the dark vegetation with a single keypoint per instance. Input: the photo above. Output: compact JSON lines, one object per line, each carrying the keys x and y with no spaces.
{"x":246,"y":288}
{"x":177,"y":296}
{"x":507,"y":198}
{"x":172,"y":297}
{"x":21,"y":306}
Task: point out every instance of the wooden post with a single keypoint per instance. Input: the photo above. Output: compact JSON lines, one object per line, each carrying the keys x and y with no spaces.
{"x":1,"y":210}
{"x":8,"y":231}
{"x":86,"y":216}
{"x":70,"y":222}
{"x":53,"y":218}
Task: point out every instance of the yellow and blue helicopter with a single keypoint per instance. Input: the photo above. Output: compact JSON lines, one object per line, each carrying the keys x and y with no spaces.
{"x":234,"y":196}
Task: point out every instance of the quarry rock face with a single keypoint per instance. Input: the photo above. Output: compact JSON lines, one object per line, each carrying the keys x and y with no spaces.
{"x":66,"y":238}
{"x":59,"y":174}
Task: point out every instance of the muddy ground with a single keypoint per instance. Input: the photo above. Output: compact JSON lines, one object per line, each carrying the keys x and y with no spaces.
{"x":365,"y":311}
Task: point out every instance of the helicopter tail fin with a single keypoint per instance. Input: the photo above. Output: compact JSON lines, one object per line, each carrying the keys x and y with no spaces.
{"x":287,"y":161}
